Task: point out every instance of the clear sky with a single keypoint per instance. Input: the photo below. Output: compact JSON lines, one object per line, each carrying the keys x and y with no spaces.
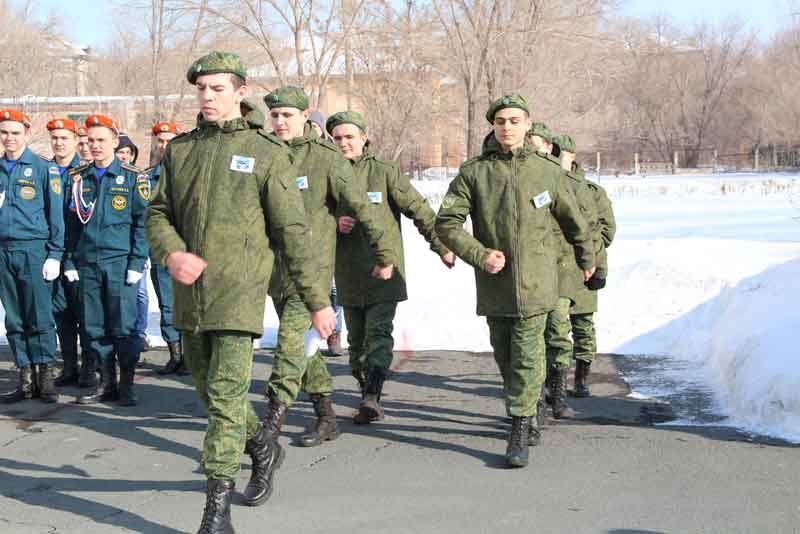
{"x":92,"y":22}
{"x":764,"y":16}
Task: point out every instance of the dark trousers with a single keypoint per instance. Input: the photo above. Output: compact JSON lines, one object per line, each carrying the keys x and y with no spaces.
{"x":28,"y":302}
{"x":162,"y":283}
{"x":108,"y":311}
{"x":67,"y":312}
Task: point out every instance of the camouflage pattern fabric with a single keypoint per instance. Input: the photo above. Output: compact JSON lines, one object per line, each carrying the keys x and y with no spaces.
{"x":291,"y":370}
{"x":220,"y":363}
{"x":584,"y":336}
{"x":287,"y":96}
{"x":507,"y":101}
{"x":346,"y":117}
{"x":369,"y":334}
{"x":519,"y":351}
{"x":556,"y":336}
{"x":215,"y":63}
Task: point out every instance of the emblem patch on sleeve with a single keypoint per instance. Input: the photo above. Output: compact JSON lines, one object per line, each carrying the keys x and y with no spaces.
{"x":143,"y":189}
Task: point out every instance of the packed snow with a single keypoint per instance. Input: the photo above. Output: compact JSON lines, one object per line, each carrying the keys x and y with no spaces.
{"x":705,"y":271}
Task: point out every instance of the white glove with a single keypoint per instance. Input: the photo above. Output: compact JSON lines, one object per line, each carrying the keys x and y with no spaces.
{"x":71,"y":276}
{"x":147,"y":264}
{"x":133,"y":277}
{"x":311,"y":340}
{"x":51,"y":269}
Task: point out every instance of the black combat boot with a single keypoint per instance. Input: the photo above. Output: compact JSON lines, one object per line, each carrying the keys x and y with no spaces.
{"x":517,"y":451}
{"x":106,"y":389}
{"x":561,"y":409}
{"x":362,"y":381}
{"x":581,"y":376}
{"x":25,"y":389}
{"x":275,"y":416}
{"x":534,"y":435}
{"x":174,"y":361}
{"x":370,"y":409}
{"x":127,"y":395}
{"x":47,"y":388}
{"x":267,"y":456}
{"x":69,"y":373}
{"x":89,"y":370}
{"x":325,"y":428}
{"x":183,"y":368}
{"x":217,"y":513}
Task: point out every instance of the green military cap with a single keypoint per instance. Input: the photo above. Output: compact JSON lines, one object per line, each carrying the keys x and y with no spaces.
{"x":346,"y":117}
{"x":287,"y":96}
{"x":565,"y":143}
{"x":507,"y":101}
{"x":215,"y":63}
{"x":541,"y":129}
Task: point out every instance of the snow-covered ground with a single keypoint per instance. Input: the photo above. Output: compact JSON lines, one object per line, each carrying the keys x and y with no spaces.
{"x":705,"y":272}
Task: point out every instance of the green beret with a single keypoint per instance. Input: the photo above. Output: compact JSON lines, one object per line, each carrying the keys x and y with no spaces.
{"x":507,"y":101}
{"x":215,"y":63}
{"x":346,"y":117}
{"x":287,"y":96}
{"x":540,"y":129}
{"x":565,"y":143}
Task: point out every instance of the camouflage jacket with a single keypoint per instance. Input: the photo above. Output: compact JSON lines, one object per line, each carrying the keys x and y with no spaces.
{"x":585,"y":300}
{"x":327,"y":185}
{"x":390,"y":194}
{"x":227,"y":193}
{"x":512,"y":199}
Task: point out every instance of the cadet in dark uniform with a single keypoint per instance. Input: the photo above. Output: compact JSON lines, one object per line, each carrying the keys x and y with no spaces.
{"x":66,"y":294}
{"x":106,"y":251}
{"x":31,"y":248}
{"x":163,"y":133}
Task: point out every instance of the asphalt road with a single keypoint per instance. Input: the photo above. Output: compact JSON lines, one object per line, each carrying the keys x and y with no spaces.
{"x":434,"y":465}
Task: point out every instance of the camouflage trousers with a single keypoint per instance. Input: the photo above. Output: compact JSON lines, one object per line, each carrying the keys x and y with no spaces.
{"x":369,"y":335}
{"x":220,"y":363}
{"x":556,"y":336}
{"x":584,"y":336}
{"x":519,"y":352}
{"x":291,"y":369}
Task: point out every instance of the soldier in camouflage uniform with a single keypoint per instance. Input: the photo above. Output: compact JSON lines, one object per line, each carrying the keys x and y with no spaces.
{"x":570,"y":282}
{"x":512,"y":194}
{"x":225,"y":203}
{"x":541,"y":138}
{"x":327,"y":186}
{"x":585,"y":301}
{"x":370,"y":305}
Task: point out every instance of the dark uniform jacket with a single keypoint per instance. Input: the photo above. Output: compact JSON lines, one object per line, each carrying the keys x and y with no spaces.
{"x":512,"y":199}
{"x":328,"y":187}
{"x":116,"y":227}
{"x":228,"y":194}
{"x":32,"y":207}
{"x":390,"y":194}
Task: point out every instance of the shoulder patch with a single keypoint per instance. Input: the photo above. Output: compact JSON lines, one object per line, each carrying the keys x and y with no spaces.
{"x":131,"y":168}
{"x":78,"y":169}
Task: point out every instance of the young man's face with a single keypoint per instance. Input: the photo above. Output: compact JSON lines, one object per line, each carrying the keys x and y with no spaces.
{"x":510,"y":126}
{"x":217,"y":97}
{"x":63,"y":142}
{"x":350,"y":140}
{"x":14,"y":137}
{"x":288,"y":123}
{"x":84,"y":151}
{"x":160,"y":143}
{"x":125,"y":154}
{"x":539,"y":142}
{"x":102,"y":143}
{"x":566,"y":160}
